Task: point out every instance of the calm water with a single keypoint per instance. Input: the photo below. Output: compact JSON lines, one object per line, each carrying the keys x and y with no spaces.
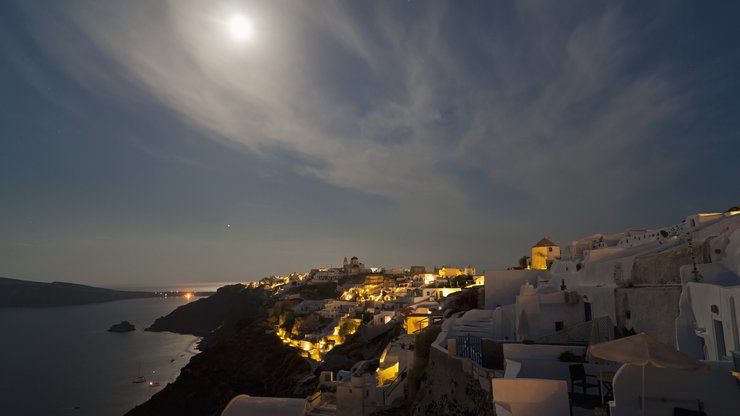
{"x":62,"y":361}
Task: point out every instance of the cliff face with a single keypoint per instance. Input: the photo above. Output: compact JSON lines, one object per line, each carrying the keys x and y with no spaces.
{"x":251,"y":361}
{"x":240,"y":355}
{"x":214,"y":317}
{"x":14,"y":292}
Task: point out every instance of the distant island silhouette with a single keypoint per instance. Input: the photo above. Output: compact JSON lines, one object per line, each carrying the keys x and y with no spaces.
{"x":24,"y":293}
{"x":124,"y":326}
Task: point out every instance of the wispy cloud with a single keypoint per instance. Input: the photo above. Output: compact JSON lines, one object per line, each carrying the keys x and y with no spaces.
{"x":386,"y":99}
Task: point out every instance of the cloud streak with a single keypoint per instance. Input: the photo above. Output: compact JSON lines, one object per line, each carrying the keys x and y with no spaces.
{"x":387,"y":98}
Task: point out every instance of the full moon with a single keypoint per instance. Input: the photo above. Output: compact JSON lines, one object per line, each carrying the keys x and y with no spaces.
{"x":241,"y":28}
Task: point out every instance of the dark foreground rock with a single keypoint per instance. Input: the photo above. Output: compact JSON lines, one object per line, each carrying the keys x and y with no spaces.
{"x":124,"y":326}
{"x":23,"y":293}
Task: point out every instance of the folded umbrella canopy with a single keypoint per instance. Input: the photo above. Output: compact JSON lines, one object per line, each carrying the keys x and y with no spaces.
{"x":522,"y":328}
{"x":643,"y":350}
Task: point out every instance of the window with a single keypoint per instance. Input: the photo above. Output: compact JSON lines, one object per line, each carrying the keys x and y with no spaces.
{"x":549,"y":249}
{"x":559,"y":325}
{"x":733,"y":320}
{"x":719,"y":339}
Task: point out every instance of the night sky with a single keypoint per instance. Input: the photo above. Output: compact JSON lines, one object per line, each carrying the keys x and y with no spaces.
{"x":143,"y":142}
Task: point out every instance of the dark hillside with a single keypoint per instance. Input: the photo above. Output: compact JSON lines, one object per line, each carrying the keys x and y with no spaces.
{"x":214,"y":317}
{"x":24,"y":293}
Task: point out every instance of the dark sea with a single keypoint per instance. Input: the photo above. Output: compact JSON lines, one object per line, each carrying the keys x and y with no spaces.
{"x":62,"y":361}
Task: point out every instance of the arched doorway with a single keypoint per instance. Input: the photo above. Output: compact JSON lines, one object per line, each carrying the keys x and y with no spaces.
{"x":735,"y":329}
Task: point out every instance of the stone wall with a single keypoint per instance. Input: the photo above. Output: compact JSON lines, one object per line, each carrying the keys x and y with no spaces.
{"x":663,"y":268}
{"x":652,"y":310}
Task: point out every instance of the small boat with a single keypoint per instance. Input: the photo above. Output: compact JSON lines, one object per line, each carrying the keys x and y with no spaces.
{"x":140,"y":378}
{"x":153,"y":384}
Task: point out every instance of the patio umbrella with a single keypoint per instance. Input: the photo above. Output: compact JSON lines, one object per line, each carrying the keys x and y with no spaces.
{"x":598,"y":335}
{"x":643,"y":350}
{"x":600,"y":331}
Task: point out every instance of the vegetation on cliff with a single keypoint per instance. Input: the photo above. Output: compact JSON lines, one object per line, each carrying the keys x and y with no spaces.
{"x":325,"y":290}
{"x":365,"y":344}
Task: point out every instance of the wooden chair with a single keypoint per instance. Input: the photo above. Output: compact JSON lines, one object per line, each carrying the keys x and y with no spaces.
{"x":579,"y":378}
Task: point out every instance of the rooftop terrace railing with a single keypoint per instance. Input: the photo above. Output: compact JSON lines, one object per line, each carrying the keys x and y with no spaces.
{"x":470,"y":347}
{"x":387,"y":392}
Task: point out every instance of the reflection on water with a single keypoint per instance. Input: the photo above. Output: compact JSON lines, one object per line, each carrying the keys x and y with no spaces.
{"x":62,"y":361}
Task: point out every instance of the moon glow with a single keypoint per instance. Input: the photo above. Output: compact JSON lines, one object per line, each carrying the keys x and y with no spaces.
{"x":241,"y":28}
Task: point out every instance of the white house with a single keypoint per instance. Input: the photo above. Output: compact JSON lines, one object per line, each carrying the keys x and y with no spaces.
{"x":541,"y":314}
{"x":308,"y":306}
{"x":502,"y":286}
{"x":337,"y":308}
{"x":383,"y":318}
{"x":708,"y":326}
